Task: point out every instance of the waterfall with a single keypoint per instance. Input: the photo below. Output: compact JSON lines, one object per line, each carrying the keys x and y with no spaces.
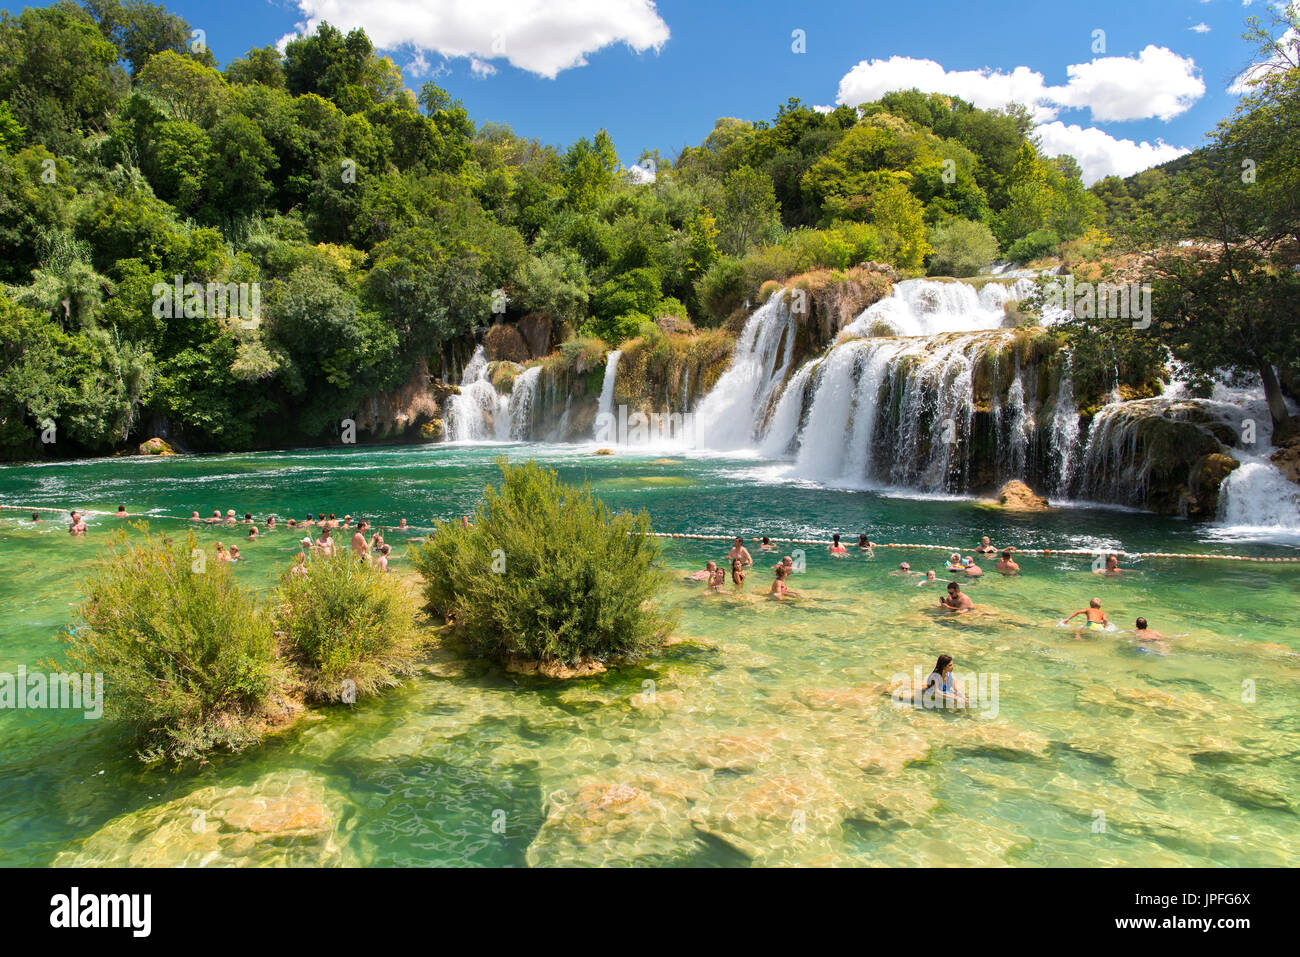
{"x":733,"y":414}
{"x":606,"y":406}
{"x":1065,"y":433}
{"x":478,"y":414}
{"x":522,"y":399}
{"x":1258,"y":496}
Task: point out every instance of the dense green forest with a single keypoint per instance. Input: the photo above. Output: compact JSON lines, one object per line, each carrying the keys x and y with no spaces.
{"x":384,"y":228}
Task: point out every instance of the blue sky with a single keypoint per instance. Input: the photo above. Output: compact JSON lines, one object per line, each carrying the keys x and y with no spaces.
{"x":657,"y":74}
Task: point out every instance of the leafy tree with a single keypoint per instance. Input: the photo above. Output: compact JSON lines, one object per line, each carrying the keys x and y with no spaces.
{"x":961,"y":248}
{"x":749,"y":214}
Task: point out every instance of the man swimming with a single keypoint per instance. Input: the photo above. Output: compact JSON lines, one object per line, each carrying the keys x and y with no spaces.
{"x":739,"y":551}
{"x":1112,"y":568}
{"x":1096,"y":618}
{"x":706,"y":574}
{"x":121,"y":511}
{"x":1145,"y":633}
{"x":325,"y":543}
{"x":904,"y":569}
{"x":970,"y":568}
{"x":216,"y":517}
{"x":956,"y":599}
{"x":1006,"y":564}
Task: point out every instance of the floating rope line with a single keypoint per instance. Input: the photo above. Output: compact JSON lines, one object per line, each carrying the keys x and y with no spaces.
{"x":689,"y":536}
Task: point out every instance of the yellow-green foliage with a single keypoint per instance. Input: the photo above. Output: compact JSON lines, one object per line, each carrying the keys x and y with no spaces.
{"x":656,"y":365}
{"x":187,"y":654}
{"x":349,"y":627}
{"x":546,"y":572}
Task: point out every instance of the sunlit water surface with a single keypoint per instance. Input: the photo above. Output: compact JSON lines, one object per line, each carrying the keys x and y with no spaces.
{"x":764,"y":736}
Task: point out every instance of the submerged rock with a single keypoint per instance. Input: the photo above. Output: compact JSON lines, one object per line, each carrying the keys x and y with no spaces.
{"x":285,"y":818}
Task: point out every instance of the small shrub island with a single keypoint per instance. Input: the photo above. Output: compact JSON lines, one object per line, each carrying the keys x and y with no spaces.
{"x":545,"y":580}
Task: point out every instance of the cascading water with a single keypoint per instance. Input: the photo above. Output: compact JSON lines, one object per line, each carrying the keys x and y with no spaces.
{"x":732,"y":416}
{"x":928,"y":380}
{"x":1256,"y":497}
{"x":478,"y":413}
{"x":606,"y":407}
{"x":522,"y":401}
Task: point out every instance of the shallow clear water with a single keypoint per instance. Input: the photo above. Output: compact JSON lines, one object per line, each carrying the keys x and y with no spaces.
{"x":765,"y":735}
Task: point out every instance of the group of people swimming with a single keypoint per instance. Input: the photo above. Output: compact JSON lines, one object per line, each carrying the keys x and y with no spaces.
{"x":740,"y":561}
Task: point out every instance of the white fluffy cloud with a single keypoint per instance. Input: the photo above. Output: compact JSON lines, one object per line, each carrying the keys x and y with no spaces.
{"x":1100,"y":154}
{"x":542,"y":38}
{"x":1155,"y":83}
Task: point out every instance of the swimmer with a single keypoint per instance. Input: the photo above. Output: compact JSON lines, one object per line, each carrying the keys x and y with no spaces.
{"x":299,"y":569}
{"x":1144,"y":633}
{"x":1096,"y":618}
{"x":954,"y":563}
{"x":309,"y":520}
{"x":940,"y":679}
{"x":292,"y":523}
{"x":121,"y":511}
{"x":216,"y":517}
{"x":234,"y":553}
{"x":248,"y":518}
{"x":270,"y":522}
{"x":306,"y":543}
{"x":194,"y":517}
{"x":222,"y":554}
{"x":464,"y":522}
{"x":836,"y":548}
{"x":765,"y":544}
{"x":359,"y":545}
{"x":865,"y":544}
{"x":716,"y":578}
{"x":706,"y":574}
{"x":778,"y":589}
{"x":904,"y":570}
{"x":252,"y":532}
{"x":381,"y":559}
{"x":970,"y":568}
{"x":402,"y":523}
{"x":787,"y":563}
{"x":36,"y":518}
{"x":929,"y":579}
{"x":1112,"y":569}
{"x":325,"y":543}
{"x":738,"y":574}
{"x":985,"y":547}
{"x":230,"y":516}
{"x":1006,"y":564}
{"x":956,"y":600}
{"x":740,"y":552}
{"x":78,"y":526}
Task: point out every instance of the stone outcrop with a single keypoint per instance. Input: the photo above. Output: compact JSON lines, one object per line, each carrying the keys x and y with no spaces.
{"x":156,"y":446}
{"x":413,"y":412}
{"x":1019,"y":497}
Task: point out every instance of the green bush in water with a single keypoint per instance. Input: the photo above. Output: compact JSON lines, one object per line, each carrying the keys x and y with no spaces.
{"x":546,"y":572}
{"x":188,"y":656}
{"x":347,"y":621}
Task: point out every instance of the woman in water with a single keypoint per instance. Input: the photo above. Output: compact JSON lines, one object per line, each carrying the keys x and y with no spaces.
{"x":940,"y":685}
{"x":381,"y":557}
{"x":222,"y":554}
{"x":716,"y":577}
{"x":836,"y":548}
{"x":738,"y":573}
{"x":765,"y":544}
{"x":865,"y":544}
{"x":778,"y":589}
{"x":252,"y":532}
